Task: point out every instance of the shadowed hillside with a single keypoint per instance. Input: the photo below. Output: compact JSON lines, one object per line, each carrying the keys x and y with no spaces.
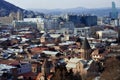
{"x":6,"y":8}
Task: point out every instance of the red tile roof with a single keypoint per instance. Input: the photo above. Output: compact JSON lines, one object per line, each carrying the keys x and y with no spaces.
{"x":38,"y":50}
{"x":29,"y":74}
{"x":9,"y":62}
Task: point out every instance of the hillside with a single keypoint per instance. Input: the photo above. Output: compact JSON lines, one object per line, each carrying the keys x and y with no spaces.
{"x":6,"y":8}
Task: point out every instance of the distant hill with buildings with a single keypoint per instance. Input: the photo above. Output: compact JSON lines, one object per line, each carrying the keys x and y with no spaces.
{"x":6,"y":8}
{"x":78,"y":10}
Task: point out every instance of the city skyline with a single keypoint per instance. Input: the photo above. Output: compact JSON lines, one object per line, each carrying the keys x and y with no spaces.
{"x":63,"y":4}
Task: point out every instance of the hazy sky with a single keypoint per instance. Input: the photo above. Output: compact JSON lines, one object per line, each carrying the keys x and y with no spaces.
{"x":53,"y":4}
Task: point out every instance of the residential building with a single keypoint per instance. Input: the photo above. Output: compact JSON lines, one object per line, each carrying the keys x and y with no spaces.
{"x":39,"y":21}
{"x":82,"y":32}
{"x":89,"y":20}
{"x":19,"y":15}
{"x":83,"y":20}
{"x":22,"y":24}
{"x":74,"y":64}
{"x":82,"y":67}
{"x":6,"y":20}
{"x":99,"y":54}
{"x":8,"y":72}
{"x":107,"y":33}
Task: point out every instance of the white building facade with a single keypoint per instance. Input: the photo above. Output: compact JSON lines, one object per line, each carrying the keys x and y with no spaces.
{"x":107,"y":33}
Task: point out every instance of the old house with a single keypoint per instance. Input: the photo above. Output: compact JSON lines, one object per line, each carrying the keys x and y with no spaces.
{"x":99,"y":54}
{"x":8,"y":72}
{"x":46,"y":69}
{"x":36,"y":67}
{"x":46,"y":38}
{"x":74,"y":64}
{"x":84,"y":65}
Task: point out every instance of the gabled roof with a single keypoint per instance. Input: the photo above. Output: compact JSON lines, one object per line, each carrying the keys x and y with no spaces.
{"x":55,"y":35}
{"x":72,"y":63}
{"x":85,"y":44}
{"x":50,"y":52}
{"x":99,"y":51}
{"x":46,"y":35}
{"x":86,"y":64}
{"x":79,"y":40}
{"x":74,"y":60}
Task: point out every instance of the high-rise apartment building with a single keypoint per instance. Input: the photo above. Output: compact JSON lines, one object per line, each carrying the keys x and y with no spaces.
{"x":19,"y":15}
{"x":114,"y":12}
{"x":83,"y":20}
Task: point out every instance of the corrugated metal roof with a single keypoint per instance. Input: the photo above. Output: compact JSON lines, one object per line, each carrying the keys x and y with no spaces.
{"x":4,"y":66}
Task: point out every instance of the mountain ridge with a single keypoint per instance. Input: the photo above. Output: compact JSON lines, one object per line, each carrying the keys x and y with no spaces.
{"x":78,"y":10}
{"x":6,"y":8}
